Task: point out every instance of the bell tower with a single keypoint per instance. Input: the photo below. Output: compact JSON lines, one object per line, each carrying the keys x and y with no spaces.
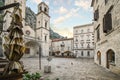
{"x":42,"y":28}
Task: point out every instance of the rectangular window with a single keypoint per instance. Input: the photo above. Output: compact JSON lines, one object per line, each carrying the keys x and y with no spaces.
{"x":88,"y":45}
{"x":82,"y":45}
{"x":96,"y":15}
{"x":45,"y":24}
{"x":82,"y":53}
{"x":45,"y":38}
{"x":107,"y":21}
{"x":98,"y":34}
{"x":88,"y":53}
{"x":76,"y":46}
{"x":27,"y":51}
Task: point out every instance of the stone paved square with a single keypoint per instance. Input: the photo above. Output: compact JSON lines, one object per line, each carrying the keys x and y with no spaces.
{"x":70,"y":69}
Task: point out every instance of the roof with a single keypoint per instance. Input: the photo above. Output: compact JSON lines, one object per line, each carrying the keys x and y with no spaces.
{"x":55,"y":40}
{"x":43,"y":3}
{"x":90,"y":24}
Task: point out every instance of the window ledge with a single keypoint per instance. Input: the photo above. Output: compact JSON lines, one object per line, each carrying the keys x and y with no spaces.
{"x":112,"y":63}
{"x":109,"y":32}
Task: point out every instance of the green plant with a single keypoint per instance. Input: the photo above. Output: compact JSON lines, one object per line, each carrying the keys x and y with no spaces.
{"x":33,"y":76}
{"x":57,"y":78}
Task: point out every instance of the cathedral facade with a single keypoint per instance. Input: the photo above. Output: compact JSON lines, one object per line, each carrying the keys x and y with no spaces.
{"x":36,"y":41}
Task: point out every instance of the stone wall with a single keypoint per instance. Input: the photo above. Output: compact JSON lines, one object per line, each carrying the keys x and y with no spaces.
{"x":110,"y":40}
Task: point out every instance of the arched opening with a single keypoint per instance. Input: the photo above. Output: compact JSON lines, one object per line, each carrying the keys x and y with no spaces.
{"x":46,"y":24}
{"x":99,"y":57}
{"x":40,"y":8}
{"x":45,"y":9}
{"x":32,"y":48}
{"x":110,"y":56}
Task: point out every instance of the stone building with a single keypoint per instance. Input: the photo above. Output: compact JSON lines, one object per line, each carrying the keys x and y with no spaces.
{"x":107,"y":33}
{"x":62,"y":47}
{"x":84,"y":40}
{"x":42,"y":28}
{"x":36,"y":41}
{"x":32,"y":44}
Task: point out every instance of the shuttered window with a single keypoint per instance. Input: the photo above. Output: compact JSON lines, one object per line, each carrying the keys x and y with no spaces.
{"x":107,"y":23}
{"x":96,"y":15}
{"x":98,"y":34}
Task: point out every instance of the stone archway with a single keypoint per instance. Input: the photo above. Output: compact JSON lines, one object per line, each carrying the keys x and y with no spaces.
{"x":33,"y":46}
{"x":99,"y":57}
{"x":110,"y":57}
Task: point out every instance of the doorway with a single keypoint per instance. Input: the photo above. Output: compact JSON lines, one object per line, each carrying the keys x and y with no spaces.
{"x":110,"y":56}
{"x":99,"y":57}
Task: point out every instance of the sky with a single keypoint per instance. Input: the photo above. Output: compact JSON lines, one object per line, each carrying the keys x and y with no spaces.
{"x":65,"y":14}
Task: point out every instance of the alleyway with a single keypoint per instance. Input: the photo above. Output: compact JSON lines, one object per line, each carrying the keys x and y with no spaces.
{"x":62,"y":68}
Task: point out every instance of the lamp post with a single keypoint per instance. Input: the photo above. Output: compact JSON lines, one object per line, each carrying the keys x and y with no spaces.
{"x":40,"y":57}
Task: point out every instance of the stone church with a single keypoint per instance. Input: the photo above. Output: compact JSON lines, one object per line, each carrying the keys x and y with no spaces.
{"x":36,"y":41}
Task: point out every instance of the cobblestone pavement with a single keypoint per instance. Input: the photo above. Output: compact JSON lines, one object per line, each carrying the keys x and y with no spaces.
{"x":70,"y":69}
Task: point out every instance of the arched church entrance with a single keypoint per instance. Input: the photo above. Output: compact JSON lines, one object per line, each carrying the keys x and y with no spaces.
{"x":33,"y":48}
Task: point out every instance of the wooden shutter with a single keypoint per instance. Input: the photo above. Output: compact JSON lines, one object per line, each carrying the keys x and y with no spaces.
{"x":104,"y":25}
{"x":107,"y":23}
{"x":96,"y":15}
{"x":109,"y":20}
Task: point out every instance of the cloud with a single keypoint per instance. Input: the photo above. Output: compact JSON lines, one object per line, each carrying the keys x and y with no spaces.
{"x":63,"y":32}
{"x":72,"y":13}
{"x":62,"y":10}
{"x":36,"y":1}
{"x":85,"y":4}
{"x":62,"y":2}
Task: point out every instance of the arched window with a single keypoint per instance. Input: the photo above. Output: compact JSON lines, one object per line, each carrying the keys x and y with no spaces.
{"x":45,"y":9}
{"x":82,"y":53}
{"x":45,"y":24}
{"x":45,"y":38}
{"x":88,"y":53}
{"x":40,"y":8}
